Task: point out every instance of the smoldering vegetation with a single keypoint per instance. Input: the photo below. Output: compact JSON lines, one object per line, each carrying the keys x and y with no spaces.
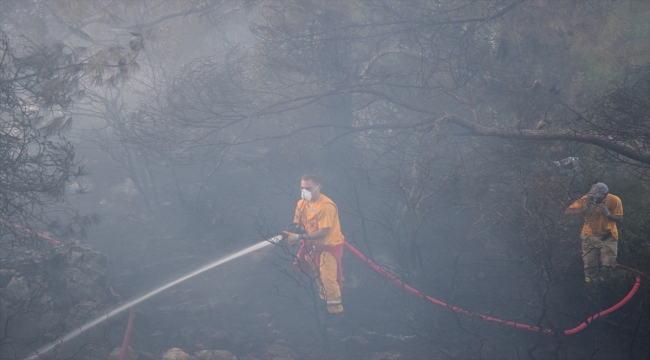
{"x":141,"y":140}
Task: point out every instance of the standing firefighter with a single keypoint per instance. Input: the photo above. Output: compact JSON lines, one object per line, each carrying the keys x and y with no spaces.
{"x":321,"y":241}
{"x":599,"y":233}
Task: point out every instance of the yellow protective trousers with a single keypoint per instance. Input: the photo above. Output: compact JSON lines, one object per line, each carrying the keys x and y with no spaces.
{"x":330,"y":290}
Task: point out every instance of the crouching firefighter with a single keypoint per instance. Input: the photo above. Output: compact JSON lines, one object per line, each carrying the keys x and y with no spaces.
{"x":317,"y":228}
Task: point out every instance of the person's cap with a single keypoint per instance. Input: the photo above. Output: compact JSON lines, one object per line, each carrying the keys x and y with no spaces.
{"x":598,"y":190}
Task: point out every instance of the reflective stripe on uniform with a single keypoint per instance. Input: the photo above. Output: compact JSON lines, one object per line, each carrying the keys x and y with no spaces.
{"x":334,"y":303}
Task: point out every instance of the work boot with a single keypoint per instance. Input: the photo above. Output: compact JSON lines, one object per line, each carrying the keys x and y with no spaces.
{"x":592,"y":286}
{"x":593,"y":293}
{"x":340,"y":324}
{"x":334,"y":323}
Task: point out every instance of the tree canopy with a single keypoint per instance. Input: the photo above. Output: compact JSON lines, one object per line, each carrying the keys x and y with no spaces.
{"x":451,"y":134}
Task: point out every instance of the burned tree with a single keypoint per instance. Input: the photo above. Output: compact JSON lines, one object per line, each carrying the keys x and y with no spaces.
{"x":465,"y":127}
{"x":455,"y":113}
{"x":36,"y":163}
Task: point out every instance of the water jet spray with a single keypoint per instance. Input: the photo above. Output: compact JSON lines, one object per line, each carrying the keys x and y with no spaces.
{"x":39,"y":354}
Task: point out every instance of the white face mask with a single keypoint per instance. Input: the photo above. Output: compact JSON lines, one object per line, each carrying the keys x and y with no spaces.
{"x":305,"y":194}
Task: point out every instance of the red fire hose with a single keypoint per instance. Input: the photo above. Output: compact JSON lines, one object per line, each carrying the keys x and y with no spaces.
{"x":124,"y":350}
{"x":575,"y":330}
{"x":377,"y":268}
{"x":42,"y":236}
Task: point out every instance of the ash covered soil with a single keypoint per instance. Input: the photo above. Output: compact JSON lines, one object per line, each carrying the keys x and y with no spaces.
{"x":254,"y":307}
{"x":251,"y":306}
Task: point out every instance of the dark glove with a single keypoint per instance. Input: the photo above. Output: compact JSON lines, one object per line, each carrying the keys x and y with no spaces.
{"x":296,"y":228}
{"x":603,"y":209}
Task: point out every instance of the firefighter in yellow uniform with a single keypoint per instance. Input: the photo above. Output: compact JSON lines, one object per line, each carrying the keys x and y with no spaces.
{"x":321,"y":243}
{"x":599,"y":233}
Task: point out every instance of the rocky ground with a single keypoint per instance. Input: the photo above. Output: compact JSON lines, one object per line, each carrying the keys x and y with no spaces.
{"x":254,"y":307}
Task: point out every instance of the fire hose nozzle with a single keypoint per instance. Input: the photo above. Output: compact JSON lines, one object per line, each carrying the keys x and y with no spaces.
{"x":296,"y":228}
{"x":276,"y":239}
